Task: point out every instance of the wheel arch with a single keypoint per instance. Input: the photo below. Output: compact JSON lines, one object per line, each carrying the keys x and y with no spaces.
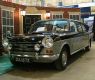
{"x":67,"y":47}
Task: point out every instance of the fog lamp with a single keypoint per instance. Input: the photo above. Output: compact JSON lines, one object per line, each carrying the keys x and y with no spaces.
{"x":5,"y":43}
{"x":37,"y":47}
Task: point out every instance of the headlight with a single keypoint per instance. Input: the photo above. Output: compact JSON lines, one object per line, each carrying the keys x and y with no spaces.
{"x":47,"y":42}
{"x":5,"y":43}
{"x":9,"y":47}
{"x":37,"y":47}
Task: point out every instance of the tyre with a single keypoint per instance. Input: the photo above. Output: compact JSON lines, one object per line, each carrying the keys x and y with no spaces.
{"x":14,"y":62}
{"x":61,"y":62}
{"x":88,"y":47}
{"x":1,"y":54}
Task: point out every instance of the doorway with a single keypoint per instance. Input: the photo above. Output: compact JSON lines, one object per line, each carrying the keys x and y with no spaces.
{"x":28,"y":20}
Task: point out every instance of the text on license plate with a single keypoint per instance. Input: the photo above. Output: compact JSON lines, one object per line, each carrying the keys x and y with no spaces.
{"x":22,"y":59}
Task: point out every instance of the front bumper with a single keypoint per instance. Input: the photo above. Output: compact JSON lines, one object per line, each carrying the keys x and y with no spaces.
{"x":34,"y":58}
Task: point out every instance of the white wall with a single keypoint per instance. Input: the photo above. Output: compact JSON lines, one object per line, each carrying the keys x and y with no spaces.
{"x":50,"y":2}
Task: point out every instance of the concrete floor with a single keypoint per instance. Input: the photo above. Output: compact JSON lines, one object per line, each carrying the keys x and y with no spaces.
{"x":81,"y":67}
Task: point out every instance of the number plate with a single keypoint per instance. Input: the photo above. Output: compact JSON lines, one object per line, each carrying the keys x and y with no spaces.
{"x":22,"y":59}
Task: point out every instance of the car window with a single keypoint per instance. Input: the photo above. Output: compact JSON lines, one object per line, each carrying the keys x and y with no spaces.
{"x":84,"y":27}
{"x":79,"y":27}
{"x":49,"y":26}
{"x":73,"y":27}
{"x":42,"y":26}
{"x":61,"y":26}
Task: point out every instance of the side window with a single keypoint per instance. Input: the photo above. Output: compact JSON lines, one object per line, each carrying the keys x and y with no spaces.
{"x":85,"y":27}
{"x":79,"y":27}
{"x":73,"y":27}
{"x":61,"y":26}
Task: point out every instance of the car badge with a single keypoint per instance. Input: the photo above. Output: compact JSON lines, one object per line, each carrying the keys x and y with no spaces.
{"x":33,"y":39}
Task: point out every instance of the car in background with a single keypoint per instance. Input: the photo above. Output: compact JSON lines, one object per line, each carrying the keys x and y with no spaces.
{"x":49,"y":41}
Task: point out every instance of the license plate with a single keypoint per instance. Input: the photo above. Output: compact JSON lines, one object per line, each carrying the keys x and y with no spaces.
{"x":22,"y":59}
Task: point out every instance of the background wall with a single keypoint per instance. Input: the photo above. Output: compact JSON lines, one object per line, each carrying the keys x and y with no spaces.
{"x":48,"y":2}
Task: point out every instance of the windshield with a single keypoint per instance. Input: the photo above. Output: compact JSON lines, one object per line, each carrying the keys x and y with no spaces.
{"x":49,"y":26}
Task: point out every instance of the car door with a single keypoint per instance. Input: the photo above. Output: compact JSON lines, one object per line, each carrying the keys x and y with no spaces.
{"x":75,"y":37}
{"x":86,"y":35}
{"x":80,"y":35}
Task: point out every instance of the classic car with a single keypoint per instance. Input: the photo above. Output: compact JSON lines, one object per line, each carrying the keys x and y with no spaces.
{"x":49,"y":41}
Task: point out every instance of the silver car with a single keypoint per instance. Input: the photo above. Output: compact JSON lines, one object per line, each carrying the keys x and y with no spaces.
{"x":50,"y":41}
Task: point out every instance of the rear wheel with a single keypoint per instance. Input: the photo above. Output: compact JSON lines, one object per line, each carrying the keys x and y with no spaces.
{"x":88,"y":47}
{"x":61,"y":62}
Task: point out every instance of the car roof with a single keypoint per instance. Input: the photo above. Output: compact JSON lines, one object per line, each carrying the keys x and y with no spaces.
{"x":54,"y":20}
{"x":60,"y":19}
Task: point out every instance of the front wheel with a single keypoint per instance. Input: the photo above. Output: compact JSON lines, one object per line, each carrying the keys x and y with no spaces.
{"x":1,"y":54}
{"x":15,"y":63}
{"x":61,"y":62}
{"x":88,"y":47}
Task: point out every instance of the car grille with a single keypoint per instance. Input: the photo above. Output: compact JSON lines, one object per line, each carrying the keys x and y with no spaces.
{"x":23,"y":47}
{"x":25,"y":41}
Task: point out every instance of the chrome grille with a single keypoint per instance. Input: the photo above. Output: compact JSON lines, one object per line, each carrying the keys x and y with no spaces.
{"x":24,"y":44}
{"x":23,"y":47}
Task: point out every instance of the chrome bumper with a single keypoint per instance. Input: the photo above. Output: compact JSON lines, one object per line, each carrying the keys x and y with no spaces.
{"x":36,"y":57}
